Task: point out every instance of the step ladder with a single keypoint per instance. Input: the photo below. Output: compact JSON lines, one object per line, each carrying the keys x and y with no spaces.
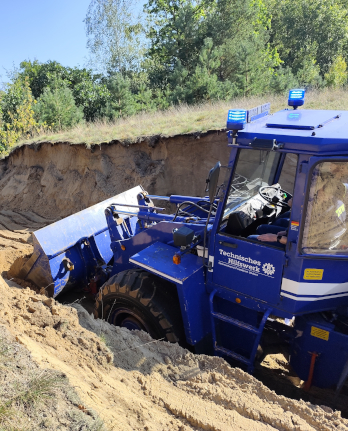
{"x":218,"y":350}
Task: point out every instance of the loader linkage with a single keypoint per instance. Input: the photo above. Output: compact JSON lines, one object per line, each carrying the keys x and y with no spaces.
{"x":263,"y":252}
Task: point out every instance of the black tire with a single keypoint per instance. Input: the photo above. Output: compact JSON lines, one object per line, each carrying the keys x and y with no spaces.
{"x":136,"y":299}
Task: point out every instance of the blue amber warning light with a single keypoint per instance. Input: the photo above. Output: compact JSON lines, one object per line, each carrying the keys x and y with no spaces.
{"x":236,"y":119}
{"x":296,"y":97}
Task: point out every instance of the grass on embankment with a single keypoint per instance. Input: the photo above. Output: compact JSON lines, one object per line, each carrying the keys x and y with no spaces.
{"x":183,"y":119}
{"x":32,"y":398}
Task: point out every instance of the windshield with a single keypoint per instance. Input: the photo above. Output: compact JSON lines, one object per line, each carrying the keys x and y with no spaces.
{"x":255,"y":169}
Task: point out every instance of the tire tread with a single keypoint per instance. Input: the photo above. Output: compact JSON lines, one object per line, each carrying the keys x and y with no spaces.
{"x":151,"y":295}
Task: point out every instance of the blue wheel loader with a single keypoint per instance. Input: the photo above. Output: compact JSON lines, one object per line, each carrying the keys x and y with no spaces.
{"x":265,"y":250}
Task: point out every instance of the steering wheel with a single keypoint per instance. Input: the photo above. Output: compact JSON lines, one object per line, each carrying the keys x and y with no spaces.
{"x":275,"y":200}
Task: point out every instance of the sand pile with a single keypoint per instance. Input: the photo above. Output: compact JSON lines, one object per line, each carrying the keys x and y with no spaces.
{"x":33,"y":398}
{"x":136,"y":383}
{"x":15,"y":238}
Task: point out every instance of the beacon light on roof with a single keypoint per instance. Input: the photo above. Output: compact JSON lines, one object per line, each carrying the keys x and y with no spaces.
{"x":236,"y":119}
{"x":296,"y":97}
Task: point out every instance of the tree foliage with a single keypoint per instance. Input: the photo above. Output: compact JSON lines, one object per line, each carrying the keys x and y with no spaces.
{"x":180,"y":51}
{"x":337,"y":73}
{"x":224,"y":43}
{"x":56,"y":107}
{"x":309,"y":35}
{"x":89,"y":92}
{"x":17,"y":111}
{"x":114,"y":34}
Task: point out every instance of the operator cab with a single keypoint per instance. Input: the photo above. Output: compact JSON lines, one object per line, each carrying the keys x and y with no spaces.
{"x":262,"y":186}
{"x":291,"y":166}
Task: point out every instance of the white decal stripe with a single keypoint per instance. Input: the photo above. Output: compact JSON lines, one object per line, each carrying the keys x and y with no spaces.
{"x":156,"y":272}
{"x":317,"y":289}
{"x":310,"y":299}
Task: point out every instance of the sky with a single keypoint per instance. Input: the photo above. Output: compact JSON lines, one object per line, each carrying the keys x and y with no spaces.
{"x":43,"y":30}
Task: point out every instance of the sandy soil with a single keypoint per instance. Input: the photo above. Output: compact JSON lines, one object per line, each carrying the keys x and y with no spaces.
{"x":133,"y":382}
{"x":136,"y":383}
{"x":55,"y":181}
{"x":32,"y":397}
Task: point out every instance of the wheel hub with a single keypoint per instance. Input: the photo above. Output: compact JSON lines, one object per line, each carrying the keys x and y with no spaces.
{"x":126,"y":318}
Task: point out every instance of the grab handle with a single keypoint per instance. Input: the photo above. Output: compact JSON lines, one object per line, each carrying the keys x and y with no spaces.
{"x":228,"y":244}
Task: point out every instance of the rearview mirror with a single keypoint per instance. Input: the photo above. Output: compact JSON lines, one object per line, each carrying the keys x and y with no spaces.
{"x":212,"y":181}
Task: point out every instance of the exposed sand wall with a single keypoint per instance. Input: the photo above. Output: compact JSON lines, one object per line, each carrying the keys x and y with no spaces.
{"x":57,"y":180}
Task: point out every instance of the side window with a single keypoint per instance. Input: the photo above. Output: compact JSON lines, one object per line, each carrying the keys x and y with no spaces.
{"x":288,"y":174}
{"x":326,"y":225}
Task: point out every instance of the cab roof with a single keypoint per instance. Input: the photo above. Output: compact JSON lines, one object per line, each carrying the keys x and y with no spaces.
{"x":301,"y":131}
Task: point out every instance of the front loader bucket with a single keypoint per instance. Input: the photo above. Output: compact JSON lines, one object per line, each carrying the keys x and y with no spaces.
{"x":67,"y":252}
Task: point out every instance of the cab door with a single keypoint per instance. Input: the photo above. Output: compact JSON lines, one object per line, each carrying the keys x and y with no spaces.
{"x":244,"y":265}
{"x":316,"y":277}
{"x":248,"y":267}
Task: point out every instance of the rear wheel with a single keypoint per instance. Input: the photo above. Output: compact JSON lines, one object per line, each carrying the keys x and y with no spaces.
{"x":136,"y":299}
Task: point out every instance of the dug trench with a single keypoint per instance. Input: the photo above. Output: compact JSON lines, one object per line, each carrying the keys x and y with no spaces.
{"x":130,"y":380}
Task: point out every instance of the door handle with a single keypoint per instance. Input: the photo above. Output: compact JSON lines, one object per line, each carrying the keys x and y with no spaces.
{"x":228,"y":244}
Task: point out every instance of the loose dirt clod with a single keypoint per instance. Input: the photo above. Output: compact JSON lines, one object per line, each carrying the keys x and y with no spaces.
{"x":136,"y":383}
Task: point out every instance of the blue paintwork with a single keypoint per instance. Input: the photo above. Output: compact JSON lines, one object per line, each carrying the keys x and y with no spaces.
{"x":162,"y":231}
{"x":257,"y":268}
{"x":300,"y":120}
{"x":330,"y":139}
{"x":189,"y":279}
{"x":333,"y":353}
{"x":229,"y":298}
{"x":177,"y":199}
{"x":159,"y":256}
{"x":239,"y":331}
{"x":83,"y":238}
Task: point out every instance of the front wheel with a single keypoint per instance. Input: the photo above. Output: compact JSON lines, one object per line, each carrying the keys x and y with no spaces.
{"x":136,"y":299}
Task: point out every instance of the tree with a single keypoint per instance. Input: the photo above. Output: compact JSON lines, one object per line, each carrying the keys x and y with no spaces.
{"x":144,"y":99}
{"x":121,"y":102}
{"x":282,"y":79}
{"x":309,"y":33}
{"x":56,"y":108}
{"x":176,"y":36}
{"x":203,"y":83}
{"x":92,"y":97}
{"x":337,"y":73}
{"x":242,"y":29}
{"x":17,"y":114}
{"x":88,"y":90}
{"x":238,"y":58}
{"x":41,"y":75}
{"x":114,"y":35}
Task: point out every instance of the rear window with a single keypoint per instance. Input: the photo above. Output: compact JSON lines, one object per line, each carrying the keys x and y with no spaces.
{"x":326,"y":225}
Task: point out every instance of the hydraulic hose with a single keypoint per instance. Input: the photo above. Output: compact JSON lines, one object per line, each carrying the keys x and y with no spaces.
{"x":189,"y":203}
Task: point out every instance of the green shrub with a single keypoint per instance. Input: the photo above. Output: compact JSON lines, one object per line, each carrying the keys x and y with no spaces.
{"x":57,"y":109}
{"x":337,"y":74}
{"x":17,"y":115}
